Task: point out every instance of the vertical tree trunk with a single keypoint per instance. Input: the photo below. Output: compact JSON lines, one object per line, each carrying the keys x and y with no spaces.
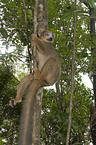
{"x":39,"y":24}
{"x":93,"y":53}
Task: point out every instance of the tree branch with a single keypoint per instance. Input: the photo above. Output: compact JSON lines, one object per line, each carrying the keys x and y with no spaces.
{"x":72,"y":83}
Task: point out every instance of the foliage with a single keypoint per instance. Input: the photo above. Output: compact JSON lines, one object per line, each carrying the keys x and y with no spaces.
{"x":9,"y":120}
{"x":16,"y":34}
{"x":15,"y":30}
{"x":13,"y":26}
{"x":55,"y":112}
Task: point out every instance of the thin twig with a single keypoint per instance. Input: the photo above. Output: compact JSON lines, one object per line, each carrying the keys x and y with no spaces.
{"x":72,"y":83}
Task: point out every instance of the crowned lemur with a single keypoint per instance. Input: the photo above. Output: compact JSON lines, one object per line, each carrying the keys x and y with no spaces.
{"x":48,"y":73}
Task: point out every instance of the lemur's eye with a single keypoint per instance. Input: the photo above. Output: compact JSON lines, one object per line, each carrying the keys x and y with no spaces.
{"x":46,"y":34}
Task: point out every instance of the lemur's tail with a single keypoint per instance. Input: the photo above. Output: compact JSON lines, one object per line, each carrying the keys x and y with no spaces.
{"x":26,"y":123}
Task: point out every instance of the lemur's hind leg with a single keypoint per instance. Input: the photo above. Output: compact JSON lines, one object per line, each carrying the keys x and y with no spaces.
{"x":21,"y":88}
{"x":39,"y":77}
{"x":50,"y":72}
{"x":45,"y":76}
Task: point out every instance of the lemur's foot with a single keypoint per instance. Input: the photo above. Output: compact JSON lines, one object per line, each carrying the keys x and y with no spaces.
{"x":13,"y":102}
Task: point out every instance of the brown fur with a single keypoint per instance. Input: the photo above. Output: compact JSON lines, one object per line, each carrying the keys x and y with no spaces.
{"x":48,"y":73}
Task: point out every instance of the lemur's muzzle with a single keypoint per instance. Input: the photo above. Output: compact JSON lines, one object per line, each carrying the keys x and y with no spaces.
{"x":50,"y":39}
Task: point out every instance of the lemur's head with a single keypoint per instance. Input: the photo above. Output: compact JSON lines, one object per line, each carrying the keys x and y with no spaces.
{"x":47,"y":36}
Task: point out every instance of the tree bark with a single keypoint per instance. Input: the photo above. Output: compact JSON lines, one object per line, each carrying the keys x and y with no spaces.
{"x":40,"y":24}
{"x":93,"y":53}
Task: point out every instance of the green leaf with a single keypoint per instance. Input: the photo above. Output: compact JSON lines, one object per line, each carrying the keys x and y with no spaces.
{"x":4,"y":33}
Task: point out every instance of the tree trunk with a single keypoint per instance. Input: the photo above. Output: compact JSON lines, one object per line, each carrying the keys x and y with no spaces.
{"x":93,"y":53}
{"x":40,"y":24}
